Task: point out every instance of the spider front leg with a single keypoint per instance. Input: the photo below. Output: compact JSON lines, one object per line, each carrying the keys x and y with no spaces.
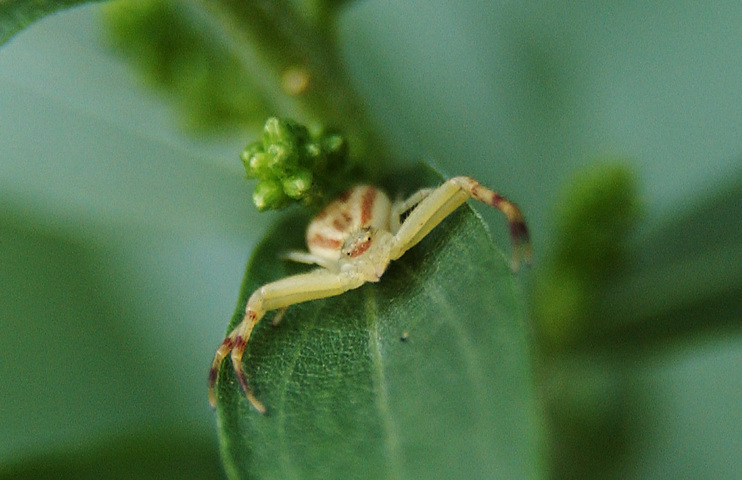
{"x":439,"y":203}
{"x":277,"y":295}
{"x":399,"y":208}
{"x":235,"y":343}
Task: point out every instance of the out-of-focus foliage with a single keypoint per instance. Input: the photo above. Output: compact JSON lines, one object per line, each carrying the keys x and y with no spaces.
{"x":596,"y":212}
{"x":17,"y":14}
{"x":232,"y":63}
{"x":175,"y":50}
{"x":142,"y":457}
{"x":587,"y":400}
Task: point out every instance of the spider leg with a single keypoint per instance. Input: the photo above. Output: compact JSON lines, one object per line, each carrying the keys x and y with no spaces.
{"x":221,"y":352}
{"x":243,"y":330}
{"x":399,"y":208}
{"x":234,"y":345}
{"x":278,"y":316}
{"x":309,"y":259}
{"x":439,"y":203}
{"x":277,"y":295}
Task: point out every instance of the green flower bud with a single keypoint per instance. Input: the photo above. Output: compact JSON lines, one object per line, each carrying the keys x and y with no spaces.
{"x":283,"y":160}
{"x":299,"y":184}
{"x":251,"y":148}
{"x":336,"y":148}
{"x":299,"y":132}
{"x":277,"y":131}
{"x":293,"y":163}
{"x":268,"y":195}
{"x":255,"y":167}
{"x":313,"y":157}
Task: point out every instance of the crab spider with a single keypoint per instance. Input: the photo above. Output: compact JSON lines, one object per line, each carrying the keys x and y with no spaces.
{"x":352,"y":241}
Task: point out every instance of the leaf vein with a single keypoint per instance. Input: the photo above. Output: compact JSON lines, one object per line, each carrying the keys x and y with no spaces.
{"x":391,"y":443}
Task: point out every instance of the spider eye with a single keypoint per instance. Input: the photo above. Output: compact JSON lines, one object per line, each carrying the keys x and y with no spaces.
{"x":357,"y":243}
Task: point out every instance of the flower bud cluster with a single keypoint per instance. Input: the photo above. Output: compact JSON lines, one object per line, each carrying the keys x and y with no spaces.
{"x":292,"y":164}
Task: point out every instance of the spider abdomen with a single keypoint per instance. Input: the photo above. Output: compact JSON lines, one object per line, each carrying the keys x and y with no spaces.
{"x":359,"y":208}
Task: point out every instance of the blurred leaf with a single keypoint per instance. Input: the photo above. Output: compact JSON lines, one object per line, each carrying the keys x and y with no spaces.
{"x":598,"y":209}
{"x":677,"y":283}
{"x":236,"y":62}
{"x":319,"y":12}
{"x":349,"y":397}
{"x":292,"y":49}
{"x":600,"y":206}
{"x":173,"y":48}
{"x":593,"y":417}
{"x":685,"y":278}
{"x":18,"y":14}
{"x":169,"y":454}
{"x":59,"y":386}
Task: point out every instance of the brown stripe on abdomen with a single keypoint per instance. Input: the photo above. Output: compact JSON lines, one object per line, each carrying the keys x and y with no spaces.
{"x":367,"y":205}
{"x":322,"y":241}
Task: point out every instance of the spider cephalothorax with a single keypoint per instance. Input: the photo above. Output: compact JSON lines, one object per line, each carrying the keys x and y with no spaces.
{"x":352,"y":241}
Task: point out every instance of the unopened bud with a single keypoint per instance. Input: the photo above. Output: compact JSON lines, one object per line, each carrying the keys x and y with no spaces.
{"x":297,"y":185}
{"x":269,"y":195}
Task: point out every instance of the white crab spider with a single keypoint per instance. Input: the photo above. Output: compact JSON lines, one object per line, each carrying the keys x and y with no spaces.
{"x":353,"y":240}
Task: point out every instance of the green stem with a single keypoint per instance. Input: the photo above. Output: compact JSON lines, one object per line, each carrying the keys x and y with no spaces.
{"x":272,"y":39}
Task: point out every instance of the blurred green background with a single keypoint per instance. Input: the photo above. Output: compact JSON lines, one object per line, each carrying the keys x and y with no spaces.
{"x":123,"y":238}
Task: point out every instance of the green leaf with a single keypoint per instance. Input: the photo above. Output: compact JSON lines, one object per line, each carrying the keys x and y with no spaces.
{"x":425,"y":374}
{"x":18,"y":14}
{"x":169,"y":453}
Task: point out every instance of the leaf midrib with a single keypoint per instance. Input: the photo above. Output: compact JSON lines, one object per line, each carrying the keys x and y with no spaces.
{"x":388,"y":425}
{"x":289,"y":469}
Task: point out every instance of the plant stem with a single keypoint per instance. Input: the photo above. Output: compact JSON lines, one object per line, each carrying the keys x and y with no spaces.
{"x":272,"y":39}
